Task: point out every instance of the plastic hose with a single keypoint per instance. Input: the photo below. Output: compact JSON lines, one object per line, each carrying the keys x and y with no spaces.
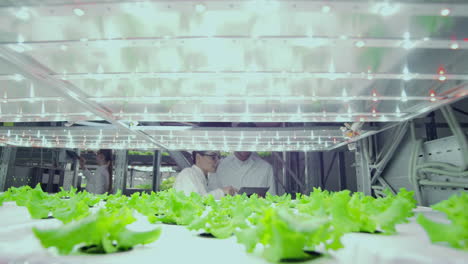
{"x":436,"y":164}
{"x":444,"y":184}
{"x":443,"y":172}
{"x":412,"y":172}
{"x":447,"y":112}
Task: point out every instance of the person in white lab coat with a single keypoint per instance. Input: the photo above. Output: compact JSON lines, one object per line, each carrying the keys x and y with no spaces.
{"x":100,"y":181}
{"x":195,"y":178}
{"x":243,"y":169}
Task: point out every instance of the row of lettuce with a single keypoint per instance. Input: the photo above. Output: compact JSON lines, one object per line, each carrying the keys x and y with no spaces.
{"x":286,"y":228}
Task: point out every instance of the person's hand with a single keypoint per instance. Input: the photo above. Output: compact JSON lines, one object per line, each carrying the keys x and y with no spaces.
{"x":82,"y":163}
{"x":229,"y":190}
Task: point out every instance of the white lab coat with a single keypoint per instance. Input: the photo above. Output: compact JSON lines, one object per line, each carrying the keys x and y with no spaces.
{"x":253,"y":172}
{"x":193,"y":180}
{"x":97,"y":182}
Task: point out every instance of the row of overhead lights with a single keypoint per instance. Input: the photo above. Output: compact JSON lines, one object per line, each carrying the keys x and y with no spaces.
{"x":384,"y":9}
{"x":146,"y":146}
{"x":247,"y":117}
{"x":72,"y":142}
{"x":205,"y":75}
{"x":21,"y":45}
{"x":174,"y":146}
{"x":91,"y":132}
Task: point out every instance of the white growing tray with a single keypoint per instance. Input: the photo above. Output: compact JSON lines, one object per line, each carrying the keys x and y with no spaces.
{"x":179,"y":245}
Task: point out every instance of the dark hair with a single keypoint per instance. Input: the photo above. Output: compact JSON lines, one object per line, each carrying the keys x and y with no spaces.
{"x":194,"y":156}
{"x":107,"y":153}
{"x":203,"y":153}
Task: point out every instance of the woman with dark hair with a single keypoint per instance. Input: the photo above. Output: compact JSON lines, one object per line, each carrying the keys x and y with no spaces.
{"x":101,"y":181}
{"x":195,"y":178}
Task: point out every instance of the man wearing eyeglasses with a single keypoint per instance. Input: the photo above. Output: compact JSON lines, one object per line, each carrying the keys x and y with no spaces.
{"x":195,"y":179}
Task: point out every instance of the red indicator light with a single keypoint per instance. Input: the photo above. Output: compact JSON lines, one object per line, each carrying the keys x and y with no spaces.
{"x":432,"y":94}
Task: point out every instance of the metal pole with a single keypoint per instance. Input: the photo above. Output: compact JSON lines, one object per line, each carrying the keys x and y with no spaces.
{"x":287,"y":169}
{"x":362,"y":171}
{"x":75,"y":168}
{"x":51,"y":179}
{"x":131,"y":177}
{"x":7,"y":162}
{"x":402,"y":132}
{"x":156,"y":171}
{"x":50,"y":182}
{"x":431,"y":129}
{"x":285,"y":182}
{"x":342,"y":171}
{"x":120,"y":169}
{"x":322,"y":171}
{"x":330,"y":166}
{"x":306,"y":173}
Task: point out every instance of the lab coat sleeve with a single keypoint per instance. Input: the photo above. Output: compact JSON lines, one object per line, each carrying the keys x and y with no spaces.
{"x":103,"y":182}
{"x":89,"y":181}
{"x":97,"y":182}
{"x":88,"y":175}
{"x":184,"y":182}
{"x":271,"y":181}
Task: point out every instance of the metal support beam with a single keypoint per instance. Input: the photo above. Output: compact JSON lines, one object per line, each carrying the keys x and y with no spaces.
{"x":156,"y":171}
{"x":341,"y":171}
{"x":283,"y":170}
{"x":287,"y":165}
{"x":306,"y":173}
{"x":121,"y":161}
{"x":58,"y":161}
{"x":394,"y":145}
{"x":362,"y":171}
{"x":7,"y":163}
{"x":287,"y":169}
{"x":294,"y":165}
{"x":131,"y":177}
{"x":385,"y":184}
{"x":75,"y":168}
{"x":277,"y":173}
{"x":431,"y":129}
{"x":322,"y":171}
{"x":330,"y":166}
{"x":50,"y":181}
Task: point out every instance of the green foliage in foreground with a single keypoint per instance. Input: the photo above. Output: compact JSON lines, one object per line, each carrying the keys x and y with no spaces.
{"x":103,"y":232}
{"x":41,"y":205}
{"x":322,"y":218}
{"x":455,"y":233}
{"x":277,"y":226}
